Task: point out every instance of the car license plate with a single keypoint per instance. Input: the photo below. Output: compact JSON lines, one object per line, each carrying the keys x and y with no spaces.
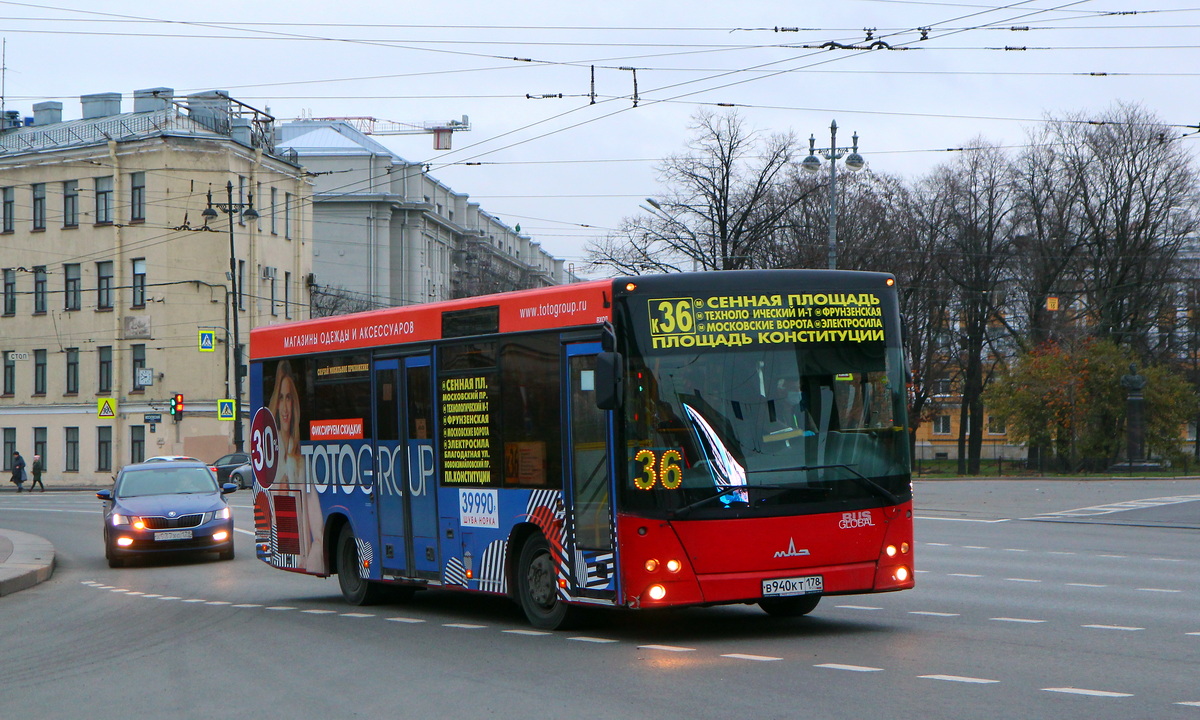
{"x":804,"y":585}
{"x":174,"y":535}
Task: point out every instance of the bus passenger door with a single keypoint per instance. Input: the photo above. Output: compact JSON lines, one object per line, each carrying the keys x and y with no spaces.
{"x":590,"y":483}
{"x":391,"y":498}
{"x":420,"y":483}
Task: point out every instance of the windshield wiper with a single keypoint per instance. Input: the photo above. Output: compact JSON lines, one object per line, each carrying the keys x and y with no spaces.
{"x":679,"y":512}
{"x":857,"y":477}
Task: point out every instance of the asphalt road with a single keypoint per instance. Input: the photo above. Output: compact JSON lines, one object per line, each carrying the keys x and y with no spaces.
{"x":1034,"y":600}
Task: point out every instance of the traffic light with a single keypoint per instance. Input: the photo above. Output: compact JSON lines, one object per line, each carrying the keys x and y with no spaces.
{"x":177,"y":407}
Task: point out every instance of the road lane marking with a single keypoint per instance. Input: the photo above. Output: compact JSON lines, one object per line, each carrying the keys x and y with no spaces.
{"x":1086,"y":585}
{"x":1195,"y":633}
{"x":218,"y":602}
{"x":756,"y":658}
{"x":527,"y":632}
{"x":248,"y":605}
{"x":464,"y":626}
{"x":975,"y":547}
{"x":586,"y":639}
{"x":1024,"y":580}
{"x":1059,"y":552}
{"x":932,"y":613}
{"x":1191,"y":703}
{"x":931,"y":544}
{"x":960,"y":678}
{"x":319,"y":612}
{"x":1159,"y":590}
{"x":966,"y":575}
{"x":170,"y":597}
{"x":974,"y":520}
{"x":667,"y":648}
{"x":1015,"y":550}
{"x":194,"y":600}
{"x":1093,"y":693}
{"x":408,"y":620}
{"x":850,"y":668}
{"x":357,"y":615}
{"x":1114,"y":627}
{"x":279,"y":607}
{"x":1114,"y":557}
{"x":859,"y":607}
{"x":1017,"y":620}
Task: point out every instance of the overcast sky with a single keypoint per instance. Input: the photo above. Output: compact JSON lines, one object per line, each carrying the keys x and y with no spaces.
{"x":566,"y":169}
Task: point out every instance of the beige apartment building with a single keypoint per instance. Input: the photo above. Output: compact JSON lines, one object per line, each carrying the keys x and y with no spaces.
{"x":118,"y":287}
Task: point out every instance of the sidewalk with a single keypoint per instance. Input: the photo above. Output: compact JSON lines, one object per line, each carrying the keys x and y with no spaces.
{"x":25,"y":561}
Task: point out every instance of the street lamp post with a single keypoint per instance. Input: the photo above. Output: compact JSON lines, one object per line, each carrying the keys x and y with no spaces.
{"x":812,"y":164}
{"x":248,"y":213}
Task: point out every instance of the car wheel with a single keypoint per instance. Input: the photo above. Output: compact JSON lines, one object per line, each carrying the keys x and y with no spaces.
{"x":226,"y":554}
{"x":356,"y":589}
{"x":537,"y":588}
{"x":109,"y":555}
{"x":790,"y":606}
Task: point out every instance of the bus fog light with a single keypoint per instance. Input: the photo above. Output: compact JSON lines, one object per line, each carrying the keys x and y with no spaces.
{"x":891,"y":551}
{"x":657,"y":592}
{"x":651,"y":565}
{"x":674,"y":566}
{"x":901,"y":574}
{"x":124,"y":541}
{"x":904,"y":548}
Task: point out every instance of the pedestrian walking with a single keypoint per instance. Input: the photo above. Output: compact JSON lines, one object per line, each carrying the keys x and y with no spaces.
{"x":35,"y":471}
{"x":18,"y":470}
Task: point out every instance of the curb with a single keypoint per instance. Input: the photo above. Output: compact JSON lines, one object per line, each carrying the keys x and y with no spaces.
{"x":30,"y":561}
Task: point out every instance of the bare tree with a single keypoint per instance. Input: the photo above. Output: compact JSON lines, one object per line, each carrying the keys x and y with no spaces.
{"x":723,"y":200}
{"x":328,"y":300}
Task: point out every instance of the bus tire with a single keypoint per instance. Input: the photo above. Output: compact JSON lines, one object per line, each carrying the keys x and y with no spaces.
{"x":355,"y":589}
{"x":537,"y":587}
{"x":790,"y":606}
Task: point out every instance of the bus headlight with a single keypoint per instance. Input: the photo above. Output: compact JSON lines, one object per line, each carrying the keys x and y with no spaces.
{"x":651,"y":565}
{"x":656,"y":592}
{"x":891,"y":551}
{"x":901,"y":574}
{"x":674,"y":566}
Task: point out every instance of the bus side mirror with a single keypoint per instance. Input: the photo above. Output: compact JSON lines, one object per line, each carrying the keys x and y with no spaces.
{"x":609,"y":381}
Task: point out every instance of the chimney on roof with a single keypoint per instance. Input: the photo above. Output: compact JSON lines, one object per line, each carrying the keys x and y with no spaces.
{"x":152,"y":99}
{"x":47,"y":113}
{"x":100,"y":105}
{"x":240,"y":131}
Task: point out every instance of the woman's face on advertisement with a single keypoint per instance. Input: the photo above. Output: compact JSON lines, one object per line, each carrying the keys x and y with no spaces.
{"x":287,"y":402}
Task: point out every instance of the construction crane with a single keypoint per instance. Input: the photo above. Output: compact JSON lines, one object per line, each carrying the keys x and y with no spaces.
{"x":442,"y":131}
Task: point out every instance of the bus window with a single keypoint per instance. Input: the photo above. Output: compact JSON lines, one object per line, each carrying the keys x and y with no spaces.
{"x":530,"y":381}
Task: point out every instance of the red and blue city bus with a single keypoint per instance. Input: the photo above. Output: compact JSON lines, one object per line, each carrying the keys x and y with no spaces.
{"x":643,"y":442}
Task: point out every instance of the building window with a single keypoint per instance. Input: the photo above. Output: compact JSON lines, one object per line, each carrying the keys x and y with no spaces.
{"x":137,"y":443}
{"x":104,"y":369}
{"x":10,"y":374}
{"x":941,"y":425}
{"x":10,"y":446}
{"x":996,"y":425}
{"x":139,"y":362}
{"x":287,"y":215}
{"x":72,"y":371}
{"x":10,"y":208}
{"x":104,"y":448}
{"x":287,"y":295}
{"x":73,"y":292}
{"x":39,"y":372}
{"x":39,"y":289}
{"x":139,"y":283}
{"x":274,"y":203}
{"x":10,"y":291}
{"x":39,"y":446}
{"x":71,"y":203}
{"x":71,"y":449}
{"x":39,"y":206}
{"x":104,"y":285}
{"x":104,"y":200}
{"x":137,"y":197}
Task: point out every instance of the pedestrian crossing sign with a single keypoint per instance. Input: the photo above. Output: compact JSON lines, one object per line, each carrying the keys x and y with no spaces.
{"x":208,"y":340}
{"x":226,"y":410}
{"x":106,"y":408}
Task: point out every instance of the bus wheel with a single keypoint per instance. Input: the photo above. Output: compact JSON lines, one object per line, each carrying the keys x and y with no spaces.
{"x":355,"y":589}
{"x":537,"y":586}
{"x":790,"y":606}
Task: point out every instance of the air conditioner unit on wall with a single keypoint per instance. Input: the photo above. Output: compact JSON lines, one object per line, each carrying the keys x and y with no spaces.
{"x":268,"y":273}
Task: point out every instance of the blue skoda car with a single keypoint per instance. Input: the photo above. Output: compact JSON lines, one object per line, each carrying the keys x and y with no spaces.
{"x":166,"y":507}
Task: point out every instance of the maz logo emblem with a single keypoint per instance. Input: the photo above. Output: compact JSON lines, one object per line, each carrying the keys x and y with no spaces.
{"x":791,"y":551}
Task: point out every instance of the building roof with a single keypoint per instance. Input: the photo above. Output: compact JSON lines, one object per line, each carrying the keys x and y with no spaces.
{"x":329,"y":137}
{"x":92,"y":131}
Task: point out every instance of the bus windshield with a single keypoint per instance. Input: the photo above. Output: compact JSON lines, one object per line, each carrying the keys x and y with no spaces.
{"x":780,"y":429}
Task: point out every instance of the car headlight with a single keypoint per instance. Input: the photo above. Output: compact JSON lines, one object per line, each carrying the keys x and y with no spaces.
{"x":222,"y":514}
{"x":118,"y":519}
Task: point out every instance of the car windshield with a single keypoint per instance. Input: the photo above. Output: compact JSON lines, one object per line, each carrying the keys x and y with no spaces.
{"x":166,"y":481}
